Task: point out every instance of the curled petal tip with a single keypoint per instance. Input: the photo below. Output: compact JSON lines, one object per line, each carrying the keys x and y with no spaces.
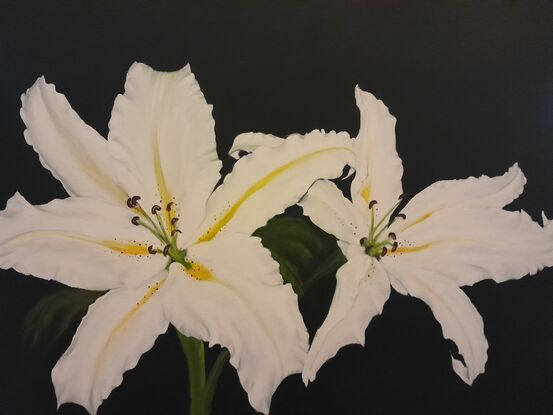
{"x":546,"y":221}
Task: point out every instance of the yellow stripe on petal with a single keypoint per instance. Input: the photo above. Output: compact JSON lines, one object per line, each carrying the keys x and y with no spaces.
{"x":164,"y":194}
{"x":120,"y":247}
{"x":102,"y":180}
{"x":366,"y":193}
{"x":198,"y":272}
{"x":419,"y":220}
{"x":147,"y":297}
{"x":260,"y":184}
{"x":410,"y":249}
{"x":127,"y":249}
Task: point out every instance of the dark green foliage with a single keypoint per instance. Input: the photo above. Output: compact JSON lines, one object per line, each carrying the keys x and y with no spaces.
{"x":306,"y":254}
{"x":53,"y":315}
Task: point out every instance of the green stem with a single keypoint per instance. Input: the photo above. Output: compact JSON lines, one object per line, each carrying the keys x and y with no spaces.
{"x":201,"y":391}
{"x":195,"y":356}
{"x":214,"y":375}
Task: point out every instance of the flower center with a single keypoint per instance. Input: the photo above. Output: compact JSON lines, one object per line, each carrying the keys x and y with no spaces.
{"x":166,"y":233}
{"x":377,"y":243}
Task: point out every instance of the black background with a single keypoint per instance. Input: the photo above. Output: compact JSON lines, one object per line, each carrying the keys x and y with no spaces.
{"x":471,"y":83}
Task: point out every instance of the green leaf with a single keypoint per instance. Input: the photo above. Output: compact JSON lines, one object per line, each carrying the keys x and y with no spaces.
{"x":305,"y":253}
{"x":290,"y":272}
{"x":327,"y":267}
{"x":53,"y":315}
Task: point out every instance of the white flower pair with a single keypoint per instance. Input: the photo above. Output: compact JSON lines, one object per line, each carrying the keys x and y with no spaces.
{"x":144,"y":221}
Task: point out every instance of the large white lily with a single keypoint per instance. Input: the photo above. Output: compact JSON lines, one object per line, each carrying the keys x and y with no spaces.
{"x":453,"y":233}
{"x":141,"y":221}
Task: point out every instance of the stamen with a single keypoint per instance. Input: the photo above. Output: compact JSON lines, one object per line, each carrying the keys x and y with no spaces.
{"x":374,"y":246}
{"x":168,"y":239}
{"x":161,"y":226}
{"x":133,"y":201}
{"x":372,"y":203}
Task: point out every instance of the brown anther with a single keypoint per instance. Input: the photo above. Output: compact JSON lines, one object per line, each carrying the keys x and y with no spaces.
{"x":174,"y":231}
{"x":372,"y":203}
{"x":401,"y":215}
{"x":392,"y":236}
{"x":169,"y":206}
{"x":384,"y":251}
{"x":174,"y":220}
{"x":135,"y":220}
{"x":155,"y":209}
{"x":166,"y":250}
{"x":363,"y":241}
{"x":394,"y":246}
{"x":151,"y":250}
{"x":133,"y":201}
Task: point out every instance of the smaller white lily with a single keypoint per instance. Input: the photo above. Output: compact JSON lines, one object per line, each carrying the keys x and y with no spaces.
{"x":453,"y":233}
{"x":142,"y":222}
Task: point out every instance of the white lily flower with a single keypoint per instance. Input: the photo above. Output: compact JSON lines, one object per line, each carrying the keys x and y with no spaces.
{"x":453,"y":233}
{"x":141,"y":221}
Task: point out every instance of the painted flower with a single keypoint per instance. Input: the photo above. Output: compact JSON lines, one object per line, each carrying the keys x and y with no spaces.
{"x":143,"y":221}
{"x":453,"y":233}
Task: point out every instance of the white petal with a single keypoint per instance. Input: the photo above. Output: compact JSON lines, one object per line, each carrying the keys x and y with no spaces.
{"x":77,"y":241}
{"x":378,"y":166}
{"x":74,"y":152}
{"x":266,"y":182}
{"x":473,"y":192}
{"x":163,"y":131}
{"x":545,"y":220}
{"x":362,"y":288}
{"x":327,"y":207}
{"x":452,"y":308}
{"x":471,"y":244}
{"x":249,"y":142}
{"x":118,"y":329}
{"x":245,"y":307}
